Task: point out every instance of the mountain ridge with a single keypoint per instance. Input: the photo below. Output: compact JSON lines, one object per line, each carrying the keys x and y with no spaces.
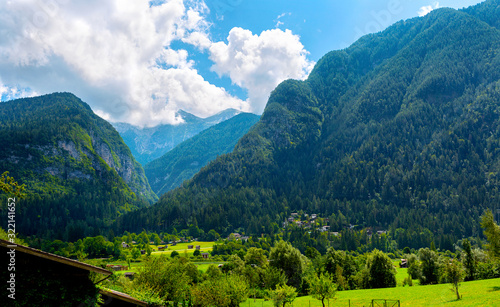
{"x":72,"y":162}
{"x":397,"y":131}
{"x":187,"y":158}
{"x":148,"y":144}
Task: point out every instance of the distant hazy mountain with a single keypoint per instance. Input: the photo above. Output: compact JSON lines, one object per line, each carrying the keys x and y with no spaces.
{"x":187,"y":158}
{"x":79,"y":173}
{"x":400,"y":131}
{"x":148,"y":144}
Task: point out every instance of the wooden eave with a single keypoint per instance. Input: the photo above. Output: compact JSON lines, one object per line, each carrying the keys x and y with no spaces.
{"x":52,"y":257}
{"x":123,"y":297}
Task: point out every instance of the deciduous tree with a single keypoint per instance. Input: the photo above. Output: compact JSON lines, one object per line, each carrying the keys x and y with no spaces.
{"x":492,"y":233}
{"x":454,"y":273}
{"x":288,"y":259}
{"x":321,"y":287}
{"x":429,"y":266}
{"x":225,"y":291}
{"x":9,"y":186}
{"x":283,"y":295}
{"x":381,"y":271}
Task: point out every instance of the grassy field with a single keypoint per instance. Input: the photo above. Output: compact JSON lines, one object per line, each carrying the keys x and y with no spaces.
{"x":203,"y":266}
{"x":182,"y":248}
{"x":474,"y":293}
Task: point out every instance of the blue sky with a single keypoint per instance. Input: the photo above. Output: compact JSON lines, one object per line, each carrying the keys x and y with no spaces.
{"x":140,"y":61}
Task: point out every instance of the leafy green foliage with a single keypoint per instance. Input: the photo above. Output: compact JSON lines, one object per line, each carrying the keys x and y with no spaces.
{"x":169,"y":280}
{"x":290,"y":261}
{"x":470,"y":263}
{"x":9,"y":186}
{"x":342,"y":268}
{"x":284,"y":295}
{"x":492,"y":232}
{"x":454,"y":273}
{"x":321,"y":287}
{"x":429,"y":266}
{"x":227,"y":291}
{"x":380,"y":271}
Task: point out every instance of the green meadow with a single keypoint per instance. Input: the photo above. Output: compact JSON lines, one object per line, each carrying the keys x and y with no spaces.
{"x":182,"y":248}
{"x":474,"y":293}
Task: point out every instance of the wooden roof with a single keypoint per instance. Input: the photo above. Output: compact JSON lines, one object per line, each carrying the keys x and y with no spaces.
{"x":122,"y":297}
{"x":52,"y":257}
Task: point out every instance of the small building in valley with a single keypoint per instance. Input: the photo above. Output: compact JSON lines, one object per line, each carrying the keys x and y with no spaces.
{"x":404,"y":263}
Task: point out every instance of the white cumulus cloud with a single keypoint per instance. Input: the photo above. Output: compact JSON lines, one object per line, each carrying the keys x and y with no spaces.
{"x":424,"y":10}
{"x":259,"y":63}
{"x":114,"y":54}
{"x":117,"y":55}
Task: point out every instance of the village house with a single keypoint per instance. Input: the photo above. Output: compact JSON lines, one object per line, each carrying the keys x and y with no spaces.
{"x":324,"y":228}
{"x":129,"y":275}
{"x":403,"y":264}
{"x":117,"y":267}
{"x":237,"y":236}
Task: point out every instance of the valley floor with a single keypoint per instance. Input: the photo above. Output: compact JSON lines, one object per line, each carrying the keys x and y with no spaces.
{"x":474,"y":293}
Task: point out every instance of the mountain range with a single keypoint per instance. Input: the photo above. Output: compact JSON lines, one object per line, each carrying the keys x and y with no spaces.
{"x":78,"y":172}
{"x":399,"y":132}
{"x":150,"y":143}
{"x":187,"y":158}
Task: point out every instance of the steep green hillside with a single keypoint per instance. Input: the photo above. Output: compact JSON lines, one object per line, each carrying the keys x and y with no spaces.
{"x":78,"y":172}
{"x":148,"y":144}
{"x":187,"y":158}
{"x":400,"y":131}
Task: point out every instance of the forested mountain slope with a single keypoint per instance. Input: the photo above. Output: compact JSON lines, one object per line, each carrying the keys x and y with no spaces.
{"x":400,"y":131}
{"x":79,"y":175}
{"x":187,"y":158}
{"x":148,"y":144}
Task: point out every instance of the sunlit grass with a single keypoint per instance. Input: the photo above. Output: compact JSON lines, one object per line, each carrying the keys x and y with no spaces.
{"x":474,"y":293}
{"x":182,"y":248}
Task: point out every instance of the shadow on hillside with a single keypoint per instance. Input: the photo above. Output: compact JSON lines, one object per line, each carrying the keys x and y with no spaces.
{"x":495,"y":289}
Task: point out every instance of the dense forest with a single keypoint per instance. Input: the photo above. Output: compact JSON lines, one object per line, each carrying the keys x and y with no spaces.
{"x":78,"y":174}
{"x":398,"y":132}
{"x":186,"y":159}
